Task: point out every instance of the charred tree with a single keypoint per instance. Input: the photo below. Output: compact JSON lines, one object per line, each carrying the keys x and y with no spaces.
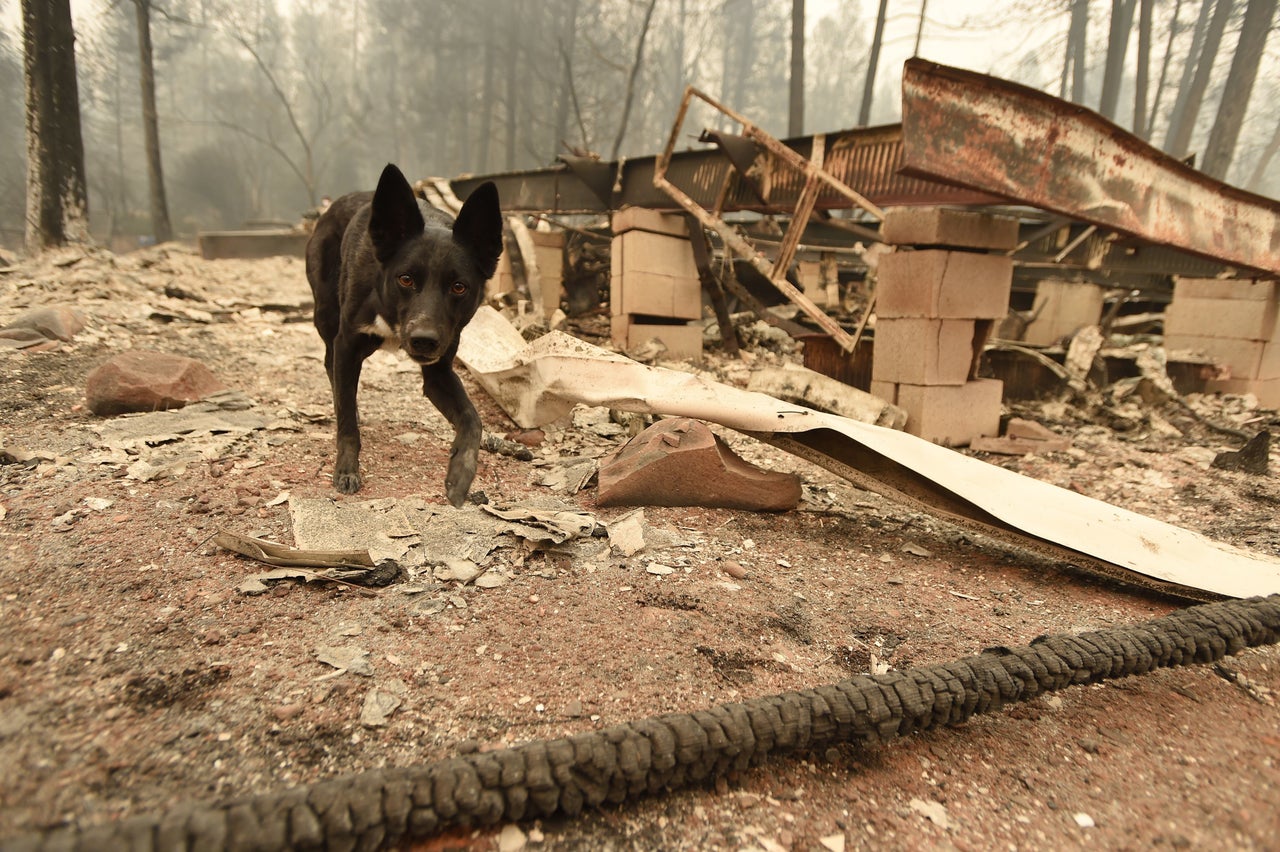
{"x":1218,"y":154}
{"x":1141,"y":81}
{"x":1117,"y":47}
{"x":1073,"y":63}
{"x":57,"y":198}
{"x":636,"y":64}
{"x":160,"y":226}
{"x":795,"y":103}
{"x":1178,"y":140}
{"x":1164,"y":73}
{"x":864,"y":110}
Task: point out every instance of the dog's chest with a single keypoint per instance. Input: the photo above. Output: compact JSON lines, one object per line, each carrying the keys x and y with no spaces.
{"x":381,"y":328}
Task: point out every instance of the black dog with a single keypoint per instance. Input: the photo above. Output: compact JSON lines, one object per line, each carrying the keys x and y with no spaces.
{"x":388,"y":270}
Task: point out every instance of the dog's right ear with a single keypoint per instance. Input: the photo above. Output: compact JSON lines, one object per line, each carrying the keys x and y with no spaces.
{"x":394,"y":216}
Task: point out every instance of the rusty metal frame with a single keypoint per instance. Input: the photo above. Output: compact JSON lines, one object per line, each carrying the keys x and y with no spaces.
{"x":815,"y":178}
{"x":990,"y":135}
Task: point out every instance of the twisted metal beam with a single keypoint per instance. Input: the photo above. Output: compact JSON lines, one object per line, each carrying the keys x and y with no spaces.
{"x":377,"y":808}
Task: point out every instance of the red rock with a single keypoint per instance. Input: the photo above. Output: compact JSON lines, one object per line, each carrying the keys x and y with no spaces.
{"x":148,"y":381}
{"x":679,"y":462}
{"x":55,"y":323}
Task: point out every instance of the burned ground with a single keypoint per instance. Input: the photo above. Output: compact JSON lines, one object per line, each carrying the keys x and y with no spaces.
{"x":134,"y":674}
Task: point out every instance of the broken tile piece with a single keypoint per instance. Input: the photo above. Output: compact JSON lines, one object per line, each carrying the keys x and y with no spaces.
{"x":698,"y":469}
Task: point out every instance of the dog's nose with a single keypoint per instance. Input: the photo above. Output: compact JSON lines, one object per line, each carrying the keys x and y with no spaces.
{"x":423,"y":343}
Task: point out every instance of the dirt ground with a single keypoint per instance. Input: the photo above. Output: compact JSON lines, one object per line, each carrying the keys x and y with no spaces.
{"x":134,"y":674}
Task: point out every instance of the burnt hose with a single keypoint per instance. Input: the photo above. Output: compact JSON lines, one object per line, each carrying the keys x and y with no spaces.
{"x":377,"y":808}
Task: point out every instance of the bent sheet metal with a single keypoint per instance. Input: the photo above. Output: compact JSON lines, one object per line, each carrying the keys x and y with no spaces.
{"x":540,"y":382}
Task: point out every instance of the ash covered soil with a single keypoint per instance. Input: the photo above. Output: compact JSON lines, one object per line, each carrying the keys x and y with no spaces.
{"x":134,"y":673}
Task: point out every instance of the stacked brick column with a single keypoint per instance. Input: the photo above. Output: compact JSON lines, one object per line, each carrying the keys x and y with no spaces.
{"x":937,"y":298}
{"x":1235,"y":322}
{"x":654,"y":286}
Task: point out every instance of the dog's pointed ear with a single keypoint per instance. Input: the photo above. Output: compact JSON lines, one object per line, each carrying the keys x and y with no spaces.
{"x":479,"y":226}
{"x":394,"y":216}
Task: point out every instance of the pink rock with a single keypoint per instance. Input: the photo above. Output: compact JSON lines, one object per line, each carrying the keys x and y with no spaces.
{"x":41,"y":324}
{"x":148,"y":381}
{"x":679,"y":462}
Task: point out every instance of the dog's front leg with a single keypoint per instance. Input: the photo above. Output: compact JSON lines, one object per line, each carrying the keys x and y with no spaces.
{"x":348,"y":358}
{"x":443,"y":387}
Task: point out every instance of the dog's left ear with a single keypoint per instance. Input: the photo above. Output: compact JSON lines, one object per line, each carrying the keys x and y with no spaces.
{"x":394,"y":216}
{"x":479,"y":227}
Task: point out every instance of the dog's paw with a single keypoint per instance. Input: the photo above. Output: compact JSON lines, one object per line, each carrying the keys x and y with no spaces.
{"x":347,"y":482}
{"x":462,"y":472}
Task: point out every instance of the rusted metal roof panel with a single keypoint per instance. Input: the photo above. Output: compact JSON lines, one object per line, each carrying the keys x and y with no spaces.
{"x":994,"y":136}
{"x":865,"y":159}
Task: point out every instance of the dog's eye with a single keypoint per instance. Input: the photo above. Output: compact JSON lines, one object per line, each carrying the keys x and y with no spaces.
{"x":458,"y":288}
{"x":405,"y":280}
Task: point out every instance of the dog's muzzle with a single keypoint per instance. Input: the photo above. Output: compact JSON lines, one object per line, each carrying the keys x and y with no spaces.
{"x":422,"y":346}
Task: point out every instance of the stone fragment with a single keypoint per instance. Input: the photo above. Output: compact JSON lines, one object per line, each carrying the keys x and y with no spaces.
{"x":140,"y":380}
{"x":679,"y":462}
{"x":1251,"y":458}
{"x":57,"y":323}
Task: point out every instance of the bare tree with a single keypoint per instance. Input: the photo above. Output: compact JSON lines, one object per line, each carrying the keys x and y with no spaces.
{"x":1218,"y":154}
{"x":1141,"y":83}
{"x":1073,"y":62}
{"x":57,"y":200}
{"x":1117,"y":47}
{"x":1164,"y":73}
{"x":795,"y":111}
{"x":631,"y":80}
{"x":864,"y":111}
{"x":151,"y":125}
{"x":1264,"y":162}
{"x":1178,"y":139}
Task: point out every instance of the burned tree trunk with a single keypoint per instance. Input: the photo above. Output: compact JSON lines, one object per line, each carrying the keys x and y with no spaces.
{"x":1218,"y":154}
{"x":57,"y":200}
{"x":151,"y":125}
{"x":1187,"y":109}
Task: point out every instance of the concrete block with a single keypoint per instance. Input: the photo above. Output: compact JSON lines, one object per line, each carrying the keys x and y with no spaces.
{"x":1226,"y":288}
{"x":503,"y":280}
{"x":217,"y":245}
{"x":948,"y":284}
{"x":1062,"y":308}
{"x":642,"y":251}
{"x":1266,"y":390}
{"x":680,"y":462}
{"x":642,"y":219}
{"x":925,"y":351}
{"x":654,"y":274}
{"x":1242,"y":357}
{"x":944,"y":226}
{"x":548,"y":250}
{"x":951,"y":415}
{"x":656,"y":295}
{"x":811,"y":282}
{"x":683,"y":340}
{"x":1243,"y":319}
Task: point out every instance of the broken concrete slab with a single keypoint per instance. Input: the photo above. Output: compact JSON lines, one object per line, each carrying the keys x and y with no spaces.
{"x":227,"y":412}
{"x":1020,"y":438}
{"x":140,"y":380}
{"x":680,"y":462}
{"x":540,"y":382}
{"x":809,"y":387}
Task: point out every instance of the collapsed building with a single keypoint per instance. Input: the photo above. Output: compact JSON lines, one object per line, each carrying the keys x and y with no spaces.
{"x":942,"y":263}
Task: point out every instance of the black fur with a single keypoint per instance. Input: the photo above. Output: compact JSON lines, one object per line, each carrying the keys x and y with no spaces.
{"x":387,"y":269}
